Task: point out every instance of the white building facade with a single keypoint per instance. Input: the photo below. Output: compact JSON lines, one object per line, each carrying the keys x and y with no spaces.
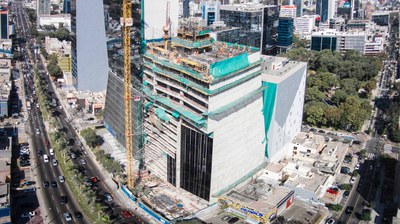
{"x":304,"y":24}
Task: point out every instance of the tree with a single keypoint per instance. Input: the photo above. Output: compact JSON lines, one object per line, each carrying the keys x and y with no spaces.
{"x":54,"y":70}
{"x":314,"y":94}
{"x":339,"y":96}
{"x":90,"y":137}
{"x":366,"y":215}
{"x":314,"y":113}
{"x":370,"y":85}
{"x":334,"y":207}
{"x":332,"y":116}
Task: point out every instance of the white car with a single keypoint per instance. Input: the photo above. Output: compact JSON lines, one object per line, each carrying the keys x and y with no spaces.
{"x":37,"y":131}
{"x":67,"y":217}
{"x":352,"y":180}
{"x":61,"y":179}
{"x":55,"y":162}
{"x":330,"y":221}
{"x":51,"y":152}
{"x":357,"y":167}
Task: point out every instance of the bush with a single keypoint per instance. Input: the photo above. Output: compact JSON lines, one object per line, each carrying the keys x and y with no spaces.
{"x":334,"y":207}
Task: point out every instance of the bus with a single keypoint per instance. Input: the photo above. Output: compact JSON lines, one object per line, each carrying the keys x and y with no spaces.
{"x":28,"y":105}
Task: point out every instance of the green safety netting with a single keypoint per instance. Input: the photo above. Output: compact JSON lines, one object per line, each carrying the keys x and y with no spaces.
{"x":175,"y":114}
{"x":162,"y":115}
{"x":229,"y":65}
{"x":192,"y":44}
{"x":147,"y":105}
{"x":269,"y":97}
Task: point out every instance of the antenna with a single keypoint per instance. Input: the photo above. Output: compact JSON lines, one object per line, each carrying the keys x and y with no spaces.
{"x":166,"y":27}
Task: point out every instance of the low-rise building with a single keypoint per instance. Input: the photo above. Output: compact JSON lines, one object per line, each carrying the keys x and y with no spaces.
{"x":6,"y":48}
{"x":307,"y":143}
{"x":5,"y":87}
{"x":288,"y":11}
{"x":63,"y":51}
{"x":55,"y":20}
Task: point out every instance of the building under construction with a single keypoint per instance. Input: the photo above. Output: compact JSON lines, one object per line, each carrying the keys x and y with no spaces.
{"x":203,"y":121}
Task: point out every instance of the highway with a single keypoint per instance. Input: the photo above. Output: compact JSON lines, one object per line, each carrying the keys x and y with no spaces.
{"x":45,"y":171}
{"x":52,"y":202}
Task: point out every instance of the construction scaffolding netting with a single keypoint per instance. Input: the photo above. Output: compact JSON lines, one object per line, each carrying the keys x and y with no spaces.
{"x":229,"y":65}
{"x":269,"y":96}
{"x":192,"y":44}
{"x":198,"y":87}
{"x":162,"y":115}
{"x":198,"y":120}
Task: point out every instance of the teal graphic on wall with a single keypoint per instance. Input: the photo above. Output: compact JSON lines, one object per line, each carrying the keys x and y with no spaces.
{"x":269,"y":96}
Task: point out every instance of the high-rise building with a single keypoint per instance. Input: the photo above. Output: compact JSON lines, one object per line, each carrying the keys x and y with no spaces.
{"x":326,"y":9}
{"x":67,"y":6}
{"x":43,"y":7}
{"x":155,"y":19}
{"x":285,"y":33}
{"x":210,"y":11}
{"x":91,"y":61}
{"x":258,"y":24}
{"x":288,"y":11}
{"x":381,"y":18}
{"x":299,"y":5}
{"x":285,"y":83}
{"x":186,"y":9}
{"x":304,"y":24}
{"x":4,"y":24}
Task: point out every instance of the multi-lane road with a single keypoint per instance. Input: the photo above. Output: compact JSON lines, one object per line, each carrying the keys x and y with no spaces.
{"x":45,"y":171}
{"x":48,"y":172}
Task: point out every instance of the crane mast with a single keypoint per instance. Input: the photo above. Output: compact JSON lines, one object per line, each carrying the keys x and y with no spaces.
{"x":126,"y":24}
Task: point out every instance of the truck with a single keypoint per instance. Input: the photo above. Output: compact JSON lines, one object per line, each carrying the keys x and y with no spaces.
{"x":28,"y":105}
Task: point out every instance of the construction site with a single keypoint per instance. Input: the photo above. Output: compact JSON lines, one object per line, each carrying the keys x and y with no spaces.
{"x":194,"y":129}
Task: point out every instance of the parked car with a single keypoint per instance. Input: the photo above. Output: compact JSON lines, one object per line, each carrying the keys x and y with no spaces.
{"x":54,"y":162}
{"x":126,"y":214}
{"x":345,"y":170}
{"x":332,"y":191}
{"x":78,"y":215}
{"x":330,"y":221}
{"x":346,"y":194}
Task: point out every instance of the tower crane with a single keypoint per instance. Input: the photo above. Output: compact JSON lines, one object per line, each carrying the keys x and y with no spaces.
{"x":127,"y":22}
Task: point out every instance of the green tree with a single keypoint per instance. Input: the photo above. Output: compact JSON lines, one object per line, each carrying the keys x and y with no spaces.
{"x":90,"y":137}
{"x":314,"y":94}
{"x":54,"y":70}
{"x":332,"y":116}
{"x":314,"y":113}
{"x":366,"y":215}
{"x":370,"y":85}
{"x":339,"y":96}
{"x":334,"y":207}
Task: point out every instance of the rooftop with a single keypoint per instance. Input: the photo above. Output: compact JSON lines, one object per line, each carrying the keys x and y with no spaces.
{"x":309,"y":140}
{"x":195,"y":53}
{"x":276,"y":69}
{"x":248,"y":7}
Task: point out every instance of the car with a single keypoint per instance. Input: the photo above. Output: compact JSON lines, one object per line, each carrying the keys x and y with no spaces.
{"x":61,"y":179}
{"x":126,"y":214}
{"x":94,"y":179}
{"x":344,"y":170}
{"x":67,"y":216}
{"x":346,"y":194}
{"x":233,"y":220}
{"x":349,"y":209}
{"x":72,"y":155}
{"x":108,"y":197}
{"x":28,"y":214}
{"x":39,"y":153}
{"x":78,"y":215}
{"x":352,"y":180}
{"x":82,"y":161}
{"x":357,"y":142}
{"x":29,"y":190}
{"x":45,"y":158}
{"x":321,"y":131}
{"x":313,"y":130}
{"x":55,"y":162}
{"x":37,"y":131}
{"x":53,"y":184}
{"x":332,"y":191}
{"x":46,"y":184}
{"x":64,"y":199}
{"x":51,"y":152}
{"x":357,"y":167}
{"x":330,"y":221}
{"x":225,"y":218}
